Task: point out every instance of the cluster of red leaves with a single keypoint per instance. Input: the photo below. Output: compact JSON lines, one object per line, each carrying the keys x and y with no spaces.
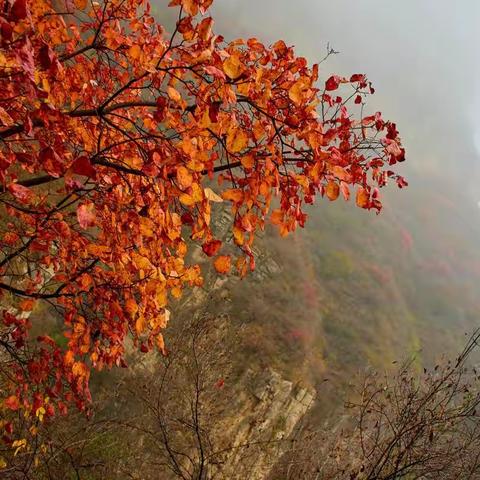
{"x":116,"y":138}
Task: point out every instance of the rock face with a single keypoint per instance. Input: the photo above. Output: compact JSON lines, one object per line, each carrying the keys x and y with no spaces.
{"x":261,"y":419}
{"x":255,"y":424}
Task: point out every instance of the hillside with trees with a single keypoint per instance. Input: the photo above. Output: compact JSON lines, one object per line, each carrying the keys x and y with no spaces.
{"x":187,"y":289}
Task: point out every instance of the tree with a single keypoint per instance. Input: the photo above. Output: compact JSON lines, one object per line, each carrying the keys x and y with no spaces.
{"x":411,"y":425}
{"x":117,"y":142}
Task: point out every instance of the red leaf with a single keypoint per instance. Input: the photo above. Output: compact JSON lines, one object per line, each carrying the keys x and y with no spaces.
{"x":12,"y":402}
{"x":6,"y":30}
{"x":82,"y":166}
{"x":23,"y":194}
{"x":211,"y":248}
{"x":332,"y":83}
{"x":213,"y":110}
{"x":46,"y":56}
{"x":187,"y":218}
{"x":19,"y":10}
{"x":86,"y":215}
{"x":345,"y":190}
{"x":215,"y":72}
{"x":357,"y":77}
{"x":51,"y":162}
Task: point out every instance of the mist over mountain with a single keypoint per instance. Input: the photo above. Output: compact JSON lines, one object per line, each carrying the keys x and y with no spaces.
{"x":421,"y":57}
{"x":422,"y":60}
{"x":159,"y":316}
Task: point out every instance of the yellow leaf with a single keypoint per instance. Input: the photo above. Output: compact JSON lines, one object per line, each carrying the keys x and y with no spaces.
{"x":238,"y":236}
{"x":184,"y":177}
{"x":298,"y":91}
{"x":212,"y":196}
{"x":3,"y":463}
{"x":40,"y":413}
{"x":341,"y":173}
{"x":233,"y":67}
{"x":186,"y":199}
{"x":237,"y":139}
{"x":18,"y":445}
{"x":174,"y":94}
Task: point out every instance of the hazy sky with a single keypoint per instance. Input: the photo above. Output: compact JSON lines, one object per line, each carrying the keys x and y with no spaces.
{"x":423,"y":57}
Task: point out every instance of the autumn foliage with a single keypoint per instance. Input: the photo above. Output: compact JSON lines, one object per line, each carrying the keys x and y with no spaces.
{"x":116,"y":139}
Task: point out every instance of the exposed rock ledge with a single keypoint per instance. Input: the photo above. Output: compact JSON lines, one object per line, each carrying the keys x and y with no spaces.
{"x":261,"y":419}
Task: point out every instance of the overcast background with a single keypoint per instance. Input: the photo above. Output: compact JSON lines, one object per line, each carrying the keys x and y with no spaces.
{"x":423,"y":57}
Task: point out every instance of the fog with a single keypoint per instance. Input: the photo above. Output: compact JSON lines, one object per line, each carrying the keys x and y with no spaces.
{"x":421,"y":55}
{"x":423,"y":59}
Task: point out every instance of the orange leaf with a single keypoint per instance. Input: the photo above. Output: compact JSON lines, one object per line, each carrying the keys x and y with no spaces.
{"x":341,"y":173}
{"x":174,"y":94}
{"x":131,"y":307}
{"x":184,"y":177}
{"x":135,"y":51}
{"x":248,"y":161}
{"x":140,"y":325}
{"x":223,"y":264}
{"x":238,"y":235}
{"x":299,"y":91}
{"x":233,"y":67}
{"x":363,"y":198}
{"x":234,"y":194}
{"x":160,"y":344}
{"x":12,"y":402}
{"x":81,"y":4}
{"x":68,"y":358}
{"x":277,"y":217}
{"x":332,"y":190}
{"x":79,"y":369}
{"x":27,"y":305}
{"x":345,"y":190}
{"x":205,"y":28}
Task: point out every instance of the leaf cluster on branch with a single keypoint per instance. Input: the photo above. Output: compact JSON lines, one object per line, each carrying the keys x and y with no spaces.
{"x":117,"y":139}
